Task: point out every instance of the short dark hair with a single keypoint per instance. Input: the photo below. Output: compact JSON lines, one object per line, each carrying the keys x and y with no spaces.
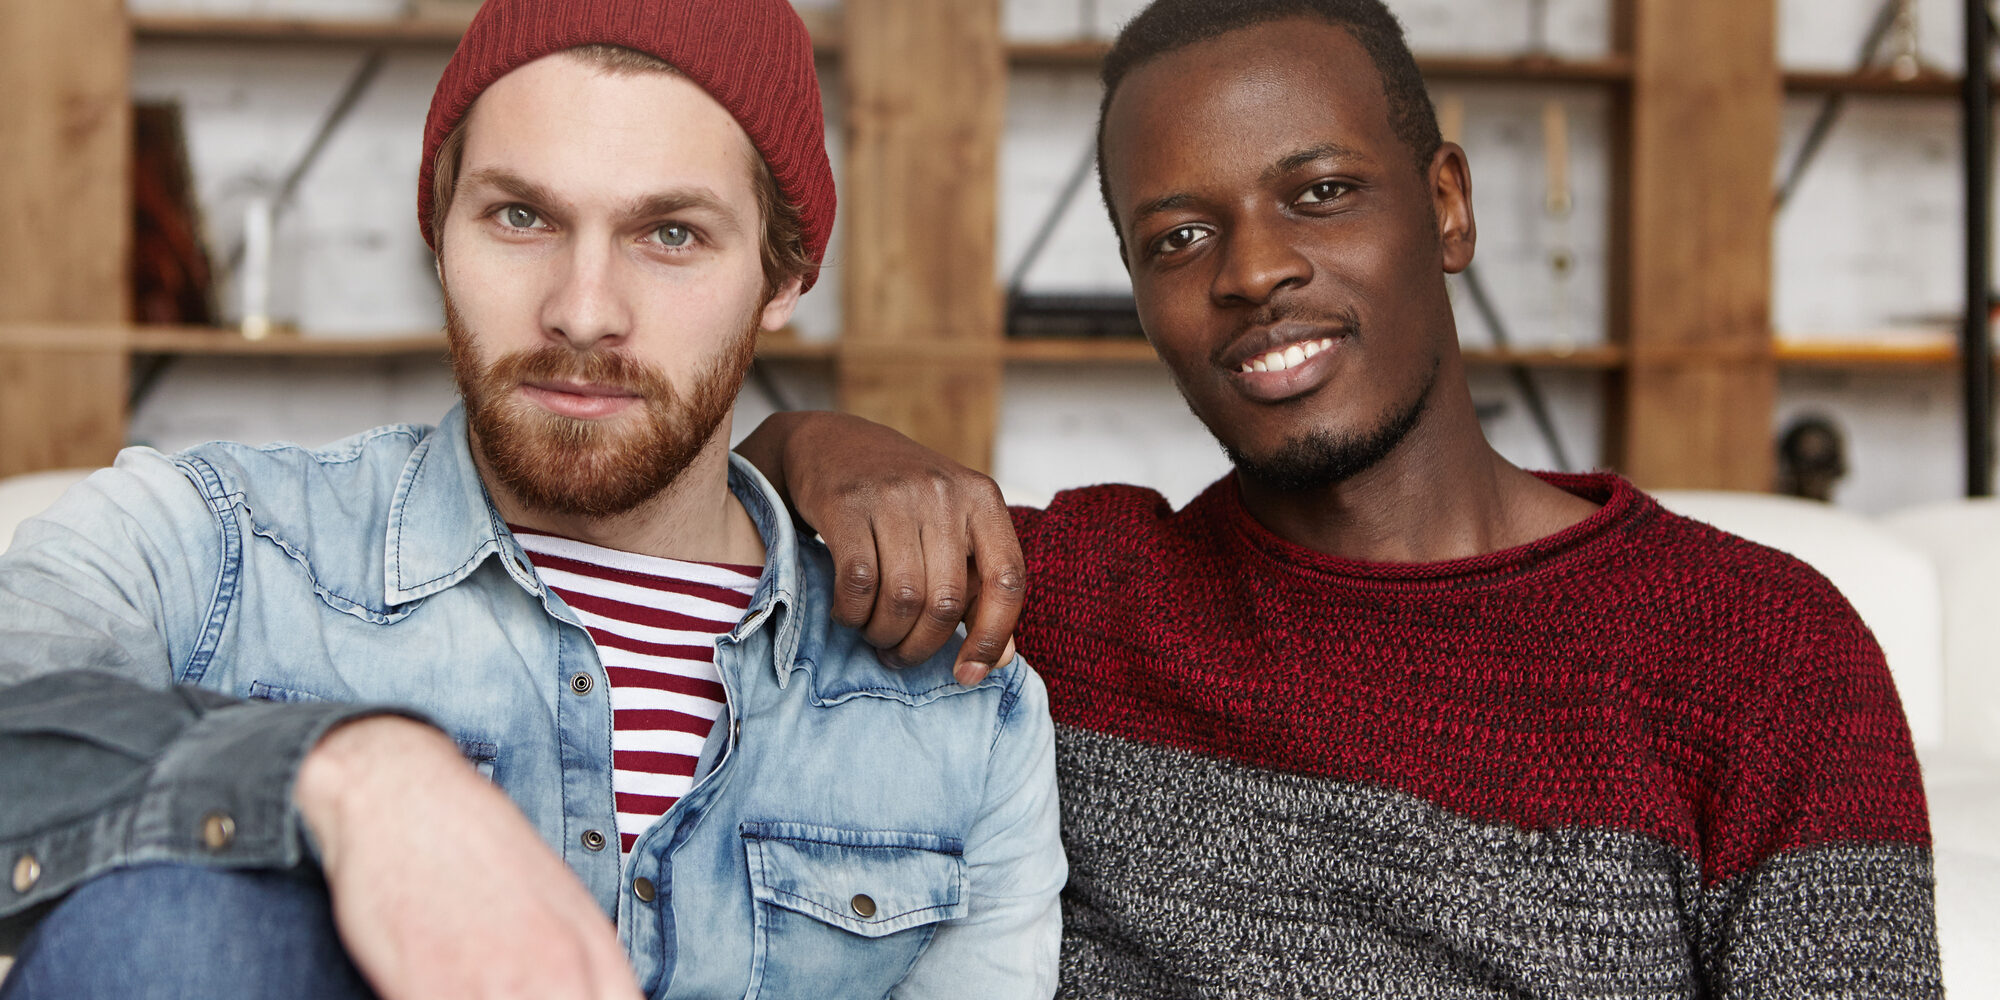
{"x":1168,"y":26}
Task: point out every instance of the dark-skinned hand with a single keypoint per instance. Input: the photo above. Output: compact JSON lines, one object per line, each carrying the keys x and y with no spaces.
{"x":919,"y":542}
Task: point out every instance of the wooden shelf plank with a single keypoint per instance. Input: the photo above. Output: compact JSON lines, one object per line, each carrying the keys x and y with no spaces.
{"x":1916,"y":351}
{"x":1058,"y":351}
{"x":1438,"y":67}
{"x":296,"y":30}
{"x":202,"y":341}
{"x":1874,"y":82}
{"x":401,"y":31}
{"x":223,"y":342}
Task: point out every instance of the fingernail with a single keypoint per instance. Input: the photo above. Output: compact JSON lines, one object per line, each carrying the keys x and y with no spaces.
{"x":971,"y":672}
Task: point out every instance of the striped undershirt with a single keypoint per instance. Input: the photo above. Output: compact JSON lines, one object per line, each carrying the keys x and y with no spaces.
{"x":655,"y":622}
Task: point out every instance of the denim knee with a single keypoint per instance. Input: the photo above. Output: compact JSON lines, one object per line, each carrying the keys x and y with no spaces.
{"x":179,"y":932}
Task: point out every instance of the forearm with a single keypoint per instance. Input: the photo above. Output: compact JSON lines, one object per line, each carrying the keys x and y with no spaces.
{"x":765,"y":446}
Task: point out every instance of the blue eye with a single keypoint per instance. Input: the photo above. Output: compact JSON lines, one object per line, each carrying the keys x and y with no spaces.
{"x":518,"y":217}
{"x":673,"y":235}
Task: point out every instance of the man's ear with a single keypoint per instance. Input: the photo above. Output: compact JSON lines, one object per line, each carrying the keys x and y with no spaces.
{"x":778,"y":311}
{"x":1451,"y":203}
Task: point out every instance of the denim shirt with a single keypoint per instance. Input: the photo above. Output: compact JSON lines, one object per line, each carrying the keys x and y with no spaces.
{"x":179,"y":630}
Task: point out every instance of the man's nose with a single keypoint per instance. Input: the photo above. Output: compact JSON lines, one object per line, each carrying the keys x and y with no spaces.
{"x":587,"y":305}
{"x":1258,"y":259}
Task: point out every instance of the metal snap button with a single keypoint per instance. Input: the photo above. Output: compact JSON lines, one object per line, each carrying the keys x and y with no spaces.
{"x":643,"y":888}
{"x":27,"y":871}
{"x":593,"y":840}
{"x":217,"y":830}
{"x":581,"y":683}
{"x":864,"y":907}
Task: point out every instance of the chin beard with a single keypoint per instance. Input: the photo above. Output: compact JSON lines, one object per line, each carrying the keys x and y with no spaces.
{"x":1321,"y":459}
{"x":583,"y":468}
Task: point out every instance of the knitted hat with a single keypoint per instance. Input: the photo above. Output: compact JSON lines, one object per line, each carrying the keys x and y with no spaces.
{"x":753,"y":56}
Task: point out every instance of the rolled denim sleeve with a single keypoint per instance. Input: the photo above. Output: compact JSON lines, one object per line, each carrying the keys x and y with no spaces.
{"x":108,"y":603}
{"x":1008,"y":943}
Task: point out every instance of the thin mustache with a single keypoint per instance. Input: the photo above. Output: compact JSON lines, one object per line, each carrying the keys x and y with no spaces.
{"x":1255,"y":335}
{"x":559,"y":364}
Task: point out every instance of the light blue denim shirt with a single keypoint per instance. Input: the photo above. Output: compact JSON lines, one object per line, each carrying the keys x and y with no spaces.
{"x":852,"y":831}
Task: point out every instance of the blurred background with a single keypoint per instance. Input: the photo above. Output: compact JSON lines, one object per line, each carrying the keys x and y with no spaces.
{"x":174,"y":173}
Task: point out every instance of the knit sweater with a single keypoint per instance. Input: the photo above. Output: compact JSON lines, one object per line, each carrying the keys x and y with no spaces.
{"x":1638,"y":758}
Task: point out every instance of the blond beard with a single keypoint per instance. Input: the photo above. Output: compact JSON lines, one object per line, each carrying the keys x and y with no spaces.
{"x":583,"y":468}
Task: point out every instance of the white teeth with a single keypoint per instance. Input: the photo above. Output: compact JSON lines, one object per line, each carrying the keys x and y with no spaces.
{"x":1290,"y":357}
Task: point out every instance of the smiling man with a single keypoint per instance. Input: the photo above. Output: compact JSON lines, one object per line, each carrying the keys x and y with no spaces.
{"x":1380,"y":714}
{"x":542,"y":701}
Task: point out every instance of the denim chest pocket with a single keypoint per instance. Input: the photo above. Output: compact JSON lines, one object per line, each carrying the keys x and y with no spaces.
{"x":845,"y":913}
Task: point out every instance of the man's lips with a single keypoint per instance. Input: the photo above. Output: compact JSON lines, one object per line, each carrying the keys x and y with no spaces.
{"x":1272,"y":345}
{"x":1280,"y":362}
{"x":583,"y":401}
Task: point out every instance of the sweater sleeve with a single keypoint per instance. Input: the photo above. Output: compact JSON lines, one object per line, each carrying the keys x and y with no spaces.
{"x":1817,"y":870}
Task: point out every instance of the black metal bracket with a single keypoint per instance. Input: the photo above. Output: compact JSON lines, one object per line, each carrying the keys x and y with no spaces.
{"x":1976,"y":347}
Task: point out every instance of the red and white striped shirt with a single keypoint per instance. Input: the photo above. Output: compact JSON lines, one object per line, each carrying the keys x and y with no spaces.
{"x":655,"y":622}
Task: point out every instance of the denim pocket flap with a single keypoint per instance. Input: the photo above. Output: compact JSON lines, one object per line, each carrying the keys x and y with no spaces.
{"x":868,"y":882}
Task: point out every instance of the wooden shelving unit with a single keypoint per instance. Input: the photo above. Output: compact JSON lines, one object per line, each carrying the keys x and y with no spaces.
{"x":1902,"y":351}
{"x":826,"y":33}
{"x":1691,"y":378}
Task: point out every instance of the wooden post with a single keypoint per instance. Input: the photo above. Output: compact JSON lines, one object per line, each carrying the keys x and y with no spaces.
{"x":1695,"y":404}
{"x":926,"y":92}
{"x":65,"y":229}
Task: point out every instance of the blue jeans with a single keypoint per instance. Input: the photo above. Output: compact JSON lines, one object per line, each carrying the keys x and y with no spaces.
{"x":179,"y":932}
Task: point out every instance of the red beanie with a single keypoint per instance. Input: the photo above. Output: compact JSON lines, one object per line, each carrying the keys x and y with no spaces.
{"x":753,"y":56}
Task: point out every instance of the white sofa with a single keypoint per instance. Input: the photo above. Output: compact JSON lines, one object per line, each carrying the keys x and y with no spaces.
{"x":1927,"y":582}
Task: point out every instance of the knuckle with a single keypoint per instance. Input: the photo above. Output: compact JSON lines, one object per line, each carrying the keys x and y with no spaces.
{"x":941,"y":485}
{"x":905,"y":599}
{"x":858,"y":578}
{"x":1008,"y":582}
{"x":947,"y":606}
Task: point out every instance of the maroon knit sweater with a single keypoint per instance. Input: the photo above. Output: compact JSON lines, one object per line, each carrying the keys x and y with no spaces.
{"x":1641,"y":757}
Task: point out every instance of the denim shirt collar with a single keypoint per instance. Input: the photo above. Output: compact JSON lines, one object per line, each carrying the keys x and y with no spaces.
{"x":442,"y":525}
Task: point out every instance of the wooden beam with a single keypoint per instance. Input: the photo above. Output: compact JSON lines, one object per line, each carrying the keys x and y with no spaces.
{"x":1694,"y":407}
{"x":65,"y":226}
{"x":926,"y":92}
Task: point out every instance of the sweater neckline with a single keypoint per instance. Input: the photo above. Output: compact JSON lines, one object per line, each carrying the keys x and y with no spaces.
{"x":1621,"y":506}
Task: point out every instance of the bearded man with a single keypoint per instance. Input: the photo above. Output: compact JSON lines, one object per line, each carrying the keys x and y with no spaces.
{"x":542,"y":701}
